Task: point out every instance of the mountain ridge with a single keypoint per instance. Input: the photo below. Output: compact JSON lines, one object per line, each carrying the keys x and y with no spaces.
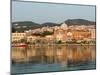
{"x":26,"y":25}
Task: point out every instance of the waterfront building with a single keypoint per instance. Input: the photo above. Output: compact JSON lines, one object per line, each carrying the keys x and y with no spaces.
{"x":31,"y":38}
{"x":49,"y":37}
{"x":64,"y":26}
{"x":93,"y":33}
{"x":81,"y":34}
{"x":69,"y":36}
{"x":60,"y":35}
{"x":18,"y":36}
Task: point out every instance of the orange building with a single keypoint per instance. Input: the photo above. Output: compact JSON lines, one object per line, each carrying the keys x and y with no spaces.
{"x":60,"y":34}
{"x":81,"y":34}
{"x":66,"y":35}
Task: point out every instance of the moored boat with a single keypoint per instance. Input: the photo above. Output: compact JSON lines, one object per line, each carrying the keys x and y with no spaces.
{"x":19,"y":45}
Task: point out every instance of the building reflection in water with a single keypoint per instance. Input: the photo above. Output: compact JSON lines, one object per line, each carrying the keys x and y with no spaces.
{"x":62,"y":54}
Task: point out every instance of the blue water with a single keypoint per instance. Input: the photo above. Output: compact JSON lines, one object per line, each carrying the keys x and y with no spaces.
{"x":35,"y":68}
{"x":52,"y":59}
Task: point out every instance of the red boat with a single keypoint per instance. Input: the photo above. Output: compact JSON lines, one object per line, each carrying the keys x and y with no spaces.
{"x":19,"y":45}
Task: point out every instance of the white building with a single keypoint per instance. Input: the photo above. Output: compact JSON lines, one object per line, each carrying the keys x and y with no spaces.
{"x":93,"y":33}
{"x":64,"y":26}
{"x":69,"y":36}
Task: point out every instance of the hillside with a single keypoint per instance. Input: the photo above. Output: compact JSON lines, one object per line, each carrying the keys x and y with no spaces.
{"x":26,"y":25}
{"x":79,"y":22}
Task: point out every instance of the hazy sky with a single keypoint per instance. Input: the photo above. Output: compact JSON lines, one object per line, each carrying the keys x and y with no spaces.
{"x":46,"y":12}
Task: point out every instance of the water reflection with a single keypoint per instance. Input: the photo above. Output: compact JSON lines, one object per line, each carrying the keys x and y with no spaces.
{"x":64,"y":55}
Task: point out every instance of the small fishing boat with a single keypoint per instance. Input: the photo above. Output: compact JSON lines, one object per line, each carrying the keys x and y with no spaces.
{"x":19,"y":45}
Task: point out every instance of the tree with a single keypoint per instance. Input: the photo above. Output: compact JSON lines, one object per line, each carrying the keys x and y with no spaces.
{"x":23,"y":40}
{"x":45,"y":33}
{"x":58,"y":42}
{"x":13,"y":30}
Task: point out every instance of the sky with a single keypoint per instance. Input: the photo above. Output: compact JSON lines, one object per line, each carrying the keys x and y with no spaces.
{"x":50,"y":12}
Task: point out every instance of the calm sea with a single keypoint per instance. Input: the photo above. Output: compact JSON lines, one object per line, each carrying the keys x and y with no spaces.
{"x":43,"y":58}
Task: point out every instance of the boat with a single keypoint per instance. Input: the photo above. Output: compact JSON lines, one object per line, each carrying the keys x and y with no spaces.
{"x":19,"y":45}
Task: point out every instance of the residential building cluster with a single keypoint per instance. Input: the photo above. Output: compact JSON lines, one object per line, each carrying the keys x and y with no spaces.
{"x":63,"y":33}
